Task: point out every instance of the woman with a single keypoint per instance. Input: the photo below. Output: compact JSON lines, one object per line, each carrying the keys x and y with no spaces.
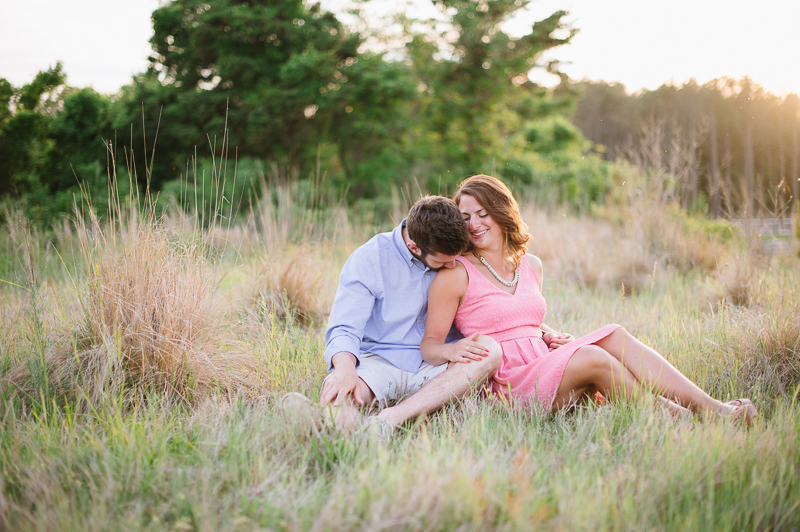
{"x":495,"y":289}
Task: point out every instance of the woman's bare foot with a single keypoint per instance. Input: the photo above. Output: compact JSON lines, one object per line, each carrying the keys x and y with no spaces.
{"x":744,"y":411}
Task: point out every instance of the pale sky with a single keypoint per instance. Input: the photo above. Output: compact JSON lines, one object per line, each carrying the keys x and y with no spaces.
{"x":642,"y":43}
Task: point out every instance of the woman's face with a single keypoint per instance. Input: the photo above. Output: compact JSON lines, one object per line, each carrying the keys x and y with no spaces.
{"x":483,"y":230}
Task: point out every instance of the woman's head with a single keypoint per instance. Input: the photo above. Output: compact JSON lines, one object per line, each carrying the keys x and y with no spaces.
{"x":498,"y":202}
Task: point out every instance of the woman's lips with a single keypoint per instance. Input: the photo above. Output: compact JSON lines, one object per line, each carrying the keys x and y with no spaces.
{"x":477,"y":236}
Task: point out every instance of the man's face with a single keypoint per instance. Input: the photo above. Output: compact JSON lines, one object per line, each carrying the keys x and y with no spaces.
{"x":437,"y":261}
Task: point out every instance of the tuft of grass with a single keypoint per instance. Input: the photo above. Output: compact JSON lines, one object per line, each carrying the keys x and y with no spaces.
{"x":296,"y":285}
{"x":757,"y":350}
{"x":743,"y":273}
{"x":147,"y":320}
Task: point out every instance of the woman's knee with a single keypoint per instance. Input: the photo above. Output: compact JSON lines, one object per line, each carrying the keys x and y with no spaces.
{"x":615,"y":342}
{"x":587,"y":368}
{"x":595,"y":361}
{"x":619,"y":334}
{"x":495,"y":356}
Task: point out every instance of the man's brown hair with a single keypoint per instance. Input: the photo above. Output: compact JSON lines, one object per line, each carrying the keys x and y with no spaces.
{"x":497,"y":200}
{"x":435,"y":225}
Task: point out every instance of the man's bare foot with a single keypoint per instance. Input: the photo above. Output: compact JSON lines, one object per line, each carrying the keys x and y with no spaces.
{"x":299,"y":411}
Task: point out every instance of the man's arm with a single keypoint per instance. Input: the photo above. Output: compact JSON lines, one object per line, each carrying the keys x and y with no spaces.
{"x":352,"y":308}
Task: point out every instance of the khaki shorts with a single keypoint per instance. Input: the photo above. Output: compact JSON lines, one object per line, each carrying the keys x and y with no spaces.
{"x":388,"y":382}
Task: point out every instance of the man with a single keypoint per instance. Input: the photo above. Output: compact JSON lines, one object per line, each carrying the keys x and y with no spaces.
{"x":378,"y":320}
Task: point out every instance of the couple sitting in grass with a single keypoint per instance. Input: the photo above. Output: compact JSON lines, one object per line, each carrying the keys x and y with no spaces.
{"x":450,"y":299}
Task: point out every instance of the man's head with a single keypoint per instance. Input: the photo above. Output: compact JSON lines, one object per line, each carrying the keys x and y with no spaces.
{"x":437,"y":231}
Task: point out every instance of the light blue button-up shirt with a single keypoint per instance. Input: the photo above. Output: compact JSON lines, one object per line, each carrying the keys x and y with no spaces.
{"x":381,"y":303}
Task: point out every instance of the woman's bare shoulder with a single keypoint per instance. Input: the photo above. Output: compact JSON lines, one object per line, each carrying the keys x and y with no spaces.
{"x":535,"y":262}
{"x":452,"y":279}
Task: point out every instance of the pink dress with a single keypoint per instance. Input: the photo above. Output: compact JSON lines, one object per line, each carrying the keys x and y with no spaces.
{"x":528,"y":368}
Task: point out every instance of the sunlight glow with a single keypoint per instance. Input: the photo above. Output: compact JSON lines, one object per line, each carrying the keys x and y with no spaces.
{"x":641,"y":44}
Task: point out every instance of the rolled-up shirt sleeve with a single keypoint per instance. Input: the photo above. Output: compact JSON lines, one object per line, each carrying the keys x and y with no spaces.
{"x":354,"y":303}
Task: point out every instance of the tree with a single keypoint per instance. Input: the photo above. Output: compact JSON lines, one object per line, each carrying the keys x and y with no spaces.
{"x":607,"y":115}
{"x":78,"y":133}
{"x":792,"y":108}
{"x":474,"y":90}
{"x":265,"y":68}
{"x":728,"y":141}
{"x":25,"y":117}
{"x":368,"y":120}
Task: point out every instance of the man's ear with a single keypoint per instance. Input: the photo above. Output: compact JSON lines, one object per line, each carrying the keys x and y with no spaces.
{"x":413,"y":248}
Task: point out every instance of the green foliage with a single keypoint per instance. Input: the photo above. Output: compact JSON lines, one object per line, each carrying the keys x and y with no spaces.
{"x":369,"y":120}
{"x":52,"y":145}
{"x":26,"y":114}
{"x":263,"y":69}
{"x":556,"y":162}
{"x":286,"y":83}
{"x":45,"y":84}
{"x":23,"y":146}
{"x":474,"y":88}
{"x":720,"y":230}
{"x":6,"y":94}
{"x":78,"y":133}
{"x":215,"y":190}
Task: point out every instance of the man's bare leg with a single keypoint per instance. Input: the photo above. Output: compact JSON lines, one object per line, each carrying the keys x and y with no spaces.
{"x":452,"y":384}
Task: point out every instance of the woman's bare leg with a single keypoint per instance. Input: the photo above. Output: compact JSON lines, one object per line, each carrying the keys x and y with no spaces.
{"x":591,"y":369}
{"x":653,"y":370}
{"x":672,"y":406}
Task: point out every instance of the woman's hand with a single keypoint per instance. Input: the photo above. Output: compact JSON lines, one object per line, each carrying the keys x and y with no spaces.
{"x":466,"y":350}
{"x":554,"y":340}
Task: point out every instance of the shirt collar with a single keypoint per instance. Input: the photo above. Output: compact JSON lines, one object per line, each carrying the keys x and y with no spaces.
{"x":402,"y":248}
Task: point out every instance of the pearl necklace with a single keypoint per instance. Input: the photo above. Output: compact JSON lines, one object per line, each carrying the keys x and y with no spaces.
{"x":507,"y":283}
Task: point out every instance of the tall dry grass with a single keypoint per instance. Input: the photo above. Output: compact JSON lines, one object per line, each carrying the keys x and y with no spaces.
{"x":757,"y":347}
{"x":169,"y":304}
{"x":168,"y":311}
{"x":637,"y":235}
{"x":148,"y":319}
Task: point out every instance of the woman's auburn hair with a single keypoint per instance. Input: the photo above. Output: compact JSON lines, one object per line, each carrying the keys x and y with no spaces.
{"x":498,"y":201}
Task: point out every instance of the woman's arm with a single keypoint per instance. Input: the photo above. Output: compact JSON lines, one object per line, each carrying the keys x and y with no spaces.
{"x":444,"y":297}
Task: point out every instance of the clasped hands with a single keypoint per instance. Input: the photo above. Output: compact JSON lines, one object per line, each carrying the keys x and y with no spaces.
{"x":554,"y":340}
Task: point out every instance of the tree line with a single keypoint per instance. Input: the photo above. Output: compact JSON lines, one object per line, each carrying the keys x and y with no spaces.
{"x":285,"y":85}
{"x":727,"y":147}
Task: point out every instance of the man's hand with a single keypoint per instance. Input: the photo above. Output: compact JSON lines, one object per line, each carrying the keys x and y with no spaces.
{"x":554,"y":340}
{"x":466,"y":350}
{"x":343,"y":381}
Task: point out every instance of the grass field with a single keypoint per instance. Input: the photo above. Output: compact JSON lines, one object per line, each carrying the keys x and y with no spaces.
{"x":141,"y":359}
